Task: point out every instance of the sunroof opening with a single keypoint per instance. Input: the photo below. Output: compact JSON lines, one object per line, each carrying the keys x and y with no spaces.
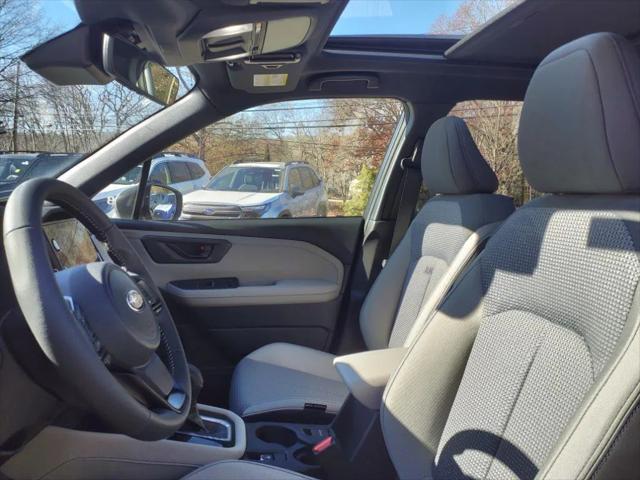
{"x":416,"y":17}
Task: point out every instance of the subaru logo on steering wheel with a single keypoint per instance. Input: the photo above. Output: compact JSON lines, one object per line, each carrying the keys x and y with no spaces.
{"x":135,"y":300}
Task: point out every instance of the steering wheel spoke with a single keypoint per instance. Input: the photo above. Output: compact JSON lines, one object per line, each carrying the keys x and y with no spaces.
{"x":154,"y":386}
{"x":156,"y":375}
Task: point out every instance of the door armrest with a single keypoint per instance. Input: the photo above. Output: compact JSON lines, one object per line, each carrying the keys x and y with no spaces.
{"x":366,"y":374}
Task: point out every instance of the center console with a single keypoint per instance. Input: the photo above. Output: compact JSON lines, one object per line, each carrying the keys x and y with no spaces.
{"x":219,"y":428}
{"x":286,"y":445}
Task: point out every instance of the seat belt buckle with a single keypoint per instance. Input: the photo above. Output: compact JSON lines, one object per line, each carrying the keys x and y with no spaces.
{"x":323,"y":445}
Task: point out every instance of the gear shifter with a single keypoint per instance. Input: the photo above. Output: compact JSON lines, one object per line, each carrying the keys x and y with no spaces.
{"x":211,"y":427}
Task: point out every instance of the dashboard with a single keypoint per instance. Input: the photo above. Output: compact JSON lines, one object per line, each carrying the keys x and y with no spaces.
{"x":71,"y":244}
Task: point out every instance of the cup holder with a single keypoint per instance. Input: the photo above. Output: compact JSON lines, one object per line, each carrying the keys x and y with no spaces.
{"x":277,"y":434}
{"x":306,"y":456}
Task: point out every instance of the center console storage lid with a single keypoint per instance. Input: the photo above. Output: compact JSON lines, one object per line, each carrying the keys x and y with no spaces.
{"x":366,"y":374}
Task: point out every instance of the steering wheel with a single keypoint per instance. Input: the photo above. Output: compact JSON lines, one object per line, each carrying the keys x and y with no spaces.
{"x":103,"y":325}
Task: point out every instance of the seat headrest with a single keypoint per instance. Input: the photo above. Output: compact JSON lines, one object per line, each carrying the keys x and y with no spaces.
{"x":580,"y":124}
{"x":451,"y":161}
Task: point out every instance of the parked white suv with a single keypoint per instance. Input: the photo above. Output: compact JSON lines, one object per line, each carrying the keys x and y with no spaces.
{"x":259,"y":190}
{"x":177,"y":170}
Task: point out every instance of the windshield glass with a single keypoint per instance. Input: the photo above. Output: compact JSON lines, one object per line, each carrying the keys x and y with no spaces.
{"x":132,"y":177}
{"x":16,"y":168}
{"x":247,"y":179}
{"x":61,"y":124}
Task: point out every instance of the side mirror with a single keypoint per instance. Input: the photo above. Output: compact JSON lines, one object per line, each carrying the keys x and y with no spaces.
{"x":124,"y":202}
{"x":296,"y":192}
{"x":130,"y":66}
{"x":162,"y":203}
{"x":159,"y":203}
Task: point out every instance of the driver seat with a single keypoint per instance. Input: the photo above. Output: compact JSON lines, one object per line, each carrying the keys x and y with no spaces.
{"x":530,"y":367}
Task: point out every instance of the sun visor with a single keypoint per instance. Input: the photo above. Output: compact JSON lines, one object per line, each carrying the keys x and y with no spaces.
{"x":267,"y":73}
{"x":257,"y":38}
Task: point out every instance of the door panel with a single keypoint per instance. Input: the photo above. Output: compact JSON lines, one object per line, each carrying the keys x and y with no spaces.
{"x":272,"y":281}
{"x":268,"y":271}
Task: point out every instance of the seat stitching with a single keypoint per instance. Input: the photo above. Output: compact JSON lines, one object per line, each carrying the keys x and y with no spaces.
{"x":467,"y":154}
{"x":604,"y":120}
{"x":628,"y":78}
{"x":515,"y":402}
{"x":449,"y":160}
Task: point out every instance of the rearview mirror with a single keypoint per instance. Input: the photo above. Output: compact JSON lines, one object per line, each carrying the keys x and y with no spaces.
{"x":130,"y":66}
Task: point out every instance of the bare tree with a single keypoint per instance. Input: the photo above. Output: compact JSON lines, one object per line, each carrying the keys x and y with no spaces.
{"x":470,"y":15}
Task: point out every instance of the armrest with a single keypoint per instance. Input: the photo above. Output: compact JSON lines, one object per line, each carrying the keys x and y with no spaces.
{"x":366,"y":374}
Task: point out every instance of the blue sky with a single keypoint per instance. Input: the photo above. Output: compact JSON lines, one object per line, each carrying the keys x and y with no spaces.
{"x":62,"y":13}
{"x":392,"y":16}
{"x":360,"y":16}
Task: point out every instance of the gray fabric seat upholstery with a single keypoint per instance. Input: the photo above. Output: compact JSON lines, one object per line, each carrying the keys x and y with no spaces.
{"x":440,"y":242}
{"x":531,"y":365}
{"x":303,"y":373}
{"x":533,"y":359}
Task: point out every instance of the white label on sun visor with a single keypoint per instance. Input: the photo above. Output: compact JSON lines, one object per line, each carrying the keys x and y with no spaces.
{"x":270,"y":79}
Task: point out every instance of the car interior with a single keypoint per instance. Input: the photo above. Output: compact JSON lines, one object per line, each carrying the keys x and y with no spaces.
{"x":464,"y":336}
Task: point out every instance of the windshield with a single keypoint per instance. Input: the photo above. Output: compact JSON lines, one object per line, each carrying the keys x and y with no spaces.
{"x":132,"y":177}
{"x":16,"y":168}
{"x":247,"y":179}
{"x":61,"y":124}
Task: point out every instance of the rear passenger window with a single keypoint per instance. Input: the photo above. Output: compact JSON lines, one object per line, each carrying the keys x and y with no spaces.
{"x":159,"y":174}
{"x":494,"y":127}
{"x":295,"y":182}
{"x":179,"y":172}
{"x":195,"y":170}
{"x":314,"y":177}
{"x":307,"y":179}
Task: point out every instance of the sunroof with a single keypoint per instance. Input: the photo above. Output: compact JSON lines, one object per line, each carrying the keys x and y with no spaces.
{"x":416,"y":17}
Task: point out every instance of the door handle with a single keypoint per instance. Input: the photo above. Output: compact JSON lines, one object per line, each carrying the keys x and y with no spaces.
{"x":188,"y":250}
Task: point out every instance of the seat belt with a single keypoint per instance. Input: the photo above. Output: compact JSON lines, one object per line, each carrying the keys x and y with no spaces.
{"x":411,"y":181}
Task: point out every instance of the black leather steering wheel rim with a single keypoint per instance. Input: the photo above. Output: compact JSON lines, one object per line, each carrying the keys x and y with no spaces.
{"x":61,"y":336}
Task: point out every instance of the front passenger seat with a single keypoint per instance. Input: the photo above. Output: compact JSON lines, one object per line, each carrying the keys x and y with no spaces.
{"x":441,"y":240}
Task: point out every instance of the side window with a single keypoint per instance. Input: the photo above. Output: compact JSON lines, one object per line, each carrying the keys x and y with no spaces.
{"x":159,"y":174}
{"x":179,"y":172}
{"x":314,"y":177}
{"x":494,"y":127}
{"x":307,"y":179}
{"x":257,"y":157}
{"x":195,"y":170}
{"x":295,"y":182}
